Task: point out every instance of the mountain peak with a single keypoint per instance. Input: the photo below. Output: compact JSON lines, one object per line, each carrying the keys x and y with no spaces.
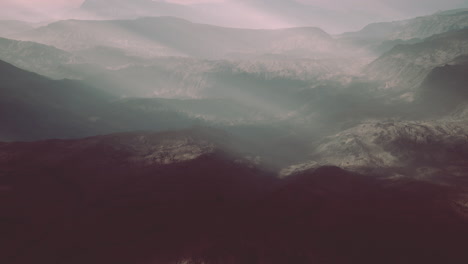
{"x":452,"y":12}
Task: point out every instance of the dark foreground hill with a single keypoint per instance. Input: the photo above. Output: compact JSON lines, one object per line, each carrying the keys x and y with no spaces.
{"x":185,"y":197}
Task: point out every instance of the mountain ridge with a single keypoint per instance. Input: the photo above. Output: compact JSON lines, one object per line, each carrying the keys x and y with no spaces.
{"x":149,"y":36}
{"x":35,"y":107}
{"x":406,"y":66}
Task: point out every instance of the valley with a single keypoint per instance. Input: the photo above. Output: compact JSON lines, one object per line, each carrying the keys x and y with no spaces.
{"x":136,"y":135}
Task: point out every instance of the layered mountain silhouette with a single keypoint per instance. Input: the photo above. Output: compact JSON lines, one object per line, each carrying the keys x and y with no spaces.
{"x":120,"y":74}
{"x":35,"y":107}
{"x":406,"y":66}
{"x":416,"y":28}
{"x":169,"y":36}
{"x":193,"y":78}
{"x":381,"y":37}
{"x":158,"y":140}
{"x":41,"y":59}
{"x":445,"y":88}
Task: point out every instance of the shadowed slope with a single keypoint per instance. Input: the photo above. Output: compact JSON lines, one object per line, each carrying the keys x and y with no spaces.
{"x":109,"y":200}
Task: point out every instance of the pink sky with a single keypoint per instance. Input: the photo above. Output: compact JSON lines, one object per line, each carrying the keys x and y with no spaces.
{"x":42,"y":3}
{"x":35,"y":10}
{"x":332,"y":15}
{"x":46,"y":2}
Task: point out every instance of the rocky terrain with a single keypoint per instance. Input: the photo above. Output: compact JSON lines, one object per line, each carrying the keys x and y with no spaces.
{"x":444,"y":89}
{"x":169,"y":36}
{"x":435,"y":147}
{"x":381,"y":37}
{"x":418,"y":28}
{"x":42,"y":59}
{"x":160,"y":140}
{"x":181,"y":198}
{"x":406,"y":66}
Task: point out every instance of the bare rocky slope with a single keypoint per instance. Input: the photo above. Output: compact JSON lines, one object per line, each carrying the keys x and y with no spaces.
{"x":406,"y":66}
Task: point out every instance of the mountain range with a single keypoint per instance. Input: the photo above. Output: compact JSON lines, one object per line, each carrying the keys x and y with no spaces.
{"x":406,"y":66}
{"x":415,"y":28}
{"x":147,"y":140}
{"x":169,"y":36}
{"x":34,"y":107}
{"x":42,"y":59}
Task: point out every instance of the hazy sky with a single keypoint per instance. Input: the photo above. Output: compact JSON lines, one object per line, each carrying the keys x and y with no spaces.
{"x":332,"y":15}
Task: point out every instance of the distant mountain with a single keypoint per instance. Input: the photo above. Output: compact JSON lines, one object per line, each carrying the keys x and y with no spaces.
{"x":424,"y":27}
{"x":231,"y":98}
{"x":42,"y":59}
{"x":216,"y":111}
{"x":168,"y":36}
{"x":406,"y":66}
{"x":195,"y":78}
{"x":445,"y":88}
{"x":122,"y":74}
{"x":184,"y":197}
{"x":415,"y":28}
{"x":381,"y":37}
{"x":34,"y":107}
{"x":111,"y":58}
